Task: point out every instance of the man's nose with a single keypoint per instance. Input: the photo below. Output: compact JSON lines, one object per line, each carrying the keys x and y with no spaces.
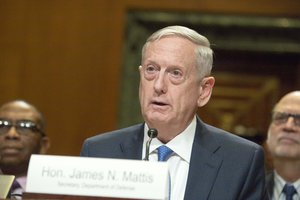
{"x":290,"y":122}
{"x":160,"y":84}
{"x":12,"y":132}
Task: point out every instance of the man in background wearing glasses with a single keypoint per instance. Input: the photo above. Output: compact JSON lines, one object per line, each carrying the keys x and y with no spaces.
{"x":22,"y":133}
{"x":284,"y":145}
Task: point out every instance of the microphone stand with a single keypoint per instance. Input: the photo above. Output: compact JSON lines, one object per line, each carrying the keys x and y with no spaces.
{"x":152,"y":133}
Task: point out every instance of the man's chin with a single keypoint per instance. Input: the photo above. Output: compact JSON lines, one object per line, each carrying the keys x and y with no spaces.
{"x":10,"y":162}
{"x":287,"y":153}
{"x":156,"y":117}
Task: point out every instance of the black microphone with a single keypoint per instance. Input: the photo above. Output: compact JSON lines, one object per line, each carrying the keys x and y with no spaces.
{"x":152,"y":133}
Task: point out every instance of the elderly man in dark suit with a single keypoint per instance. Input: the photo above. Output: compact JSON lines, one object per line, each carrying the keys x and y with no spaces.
{"x":283,"y":143}
{"x":204,"y":162}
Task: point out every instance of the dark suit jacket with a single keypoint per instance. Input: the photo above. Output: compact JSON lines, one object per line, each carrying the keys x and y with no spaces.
{"x":270,"y":183}
{"x":222,"y":166}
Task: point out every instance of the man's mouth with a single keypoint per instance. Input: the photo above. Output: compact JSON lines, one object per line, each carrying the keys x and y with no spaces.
{"x":287,"y":140}
{"x":10,"y":150}
{"x":159,"y":103}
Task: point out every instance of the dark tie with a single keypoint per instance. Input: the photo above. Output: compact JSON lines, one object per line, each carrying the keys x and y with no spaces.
{"x":164,"y":153}
{"x":289,"y":191}
{"x":15,"y":185}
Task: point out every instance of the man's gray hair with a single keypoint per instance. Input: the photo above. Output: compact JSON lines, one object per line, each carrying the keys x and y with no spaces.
{"x":204,"y":53}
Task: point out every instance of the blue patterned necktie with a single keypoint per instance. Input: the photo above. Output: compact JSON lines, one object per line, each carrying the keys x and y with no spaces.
{"x":289,"y":191}
{"x":164,"y":153}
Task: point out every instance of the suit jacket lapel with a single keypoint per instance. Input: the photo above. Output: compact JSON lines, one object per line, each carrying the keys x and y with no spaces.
{"x":270,"y":183}
{"x":204,"y":164}
{"x":132,"y":145}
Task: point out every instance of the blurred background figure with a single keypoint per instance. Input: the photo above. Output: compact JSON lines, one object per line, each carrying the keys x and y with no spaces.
{"x":283,"y":143}
{"x":22,"y":133}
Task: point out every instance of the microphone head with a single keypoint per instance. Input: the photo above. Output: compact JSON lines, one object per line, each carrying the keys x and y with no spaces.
{"x":152,"y":133}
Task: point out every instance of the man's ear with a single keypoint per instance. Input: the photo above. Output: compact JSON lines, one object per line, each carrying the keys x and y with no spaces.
{"x":205,"y":92}
{"x":45,"y":145}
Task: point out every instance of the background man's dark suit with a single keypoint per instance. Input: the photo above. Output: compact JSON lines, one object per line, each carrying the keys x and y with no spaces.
{"x":214,"y":172}
{"x":270,"y":183}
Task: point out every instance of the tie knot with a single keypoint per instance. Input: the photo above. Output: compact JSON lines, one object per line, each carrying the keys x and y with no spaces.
{"x":15,"y":185}
{"x":289,"y":191}
{"x":164,"y":153}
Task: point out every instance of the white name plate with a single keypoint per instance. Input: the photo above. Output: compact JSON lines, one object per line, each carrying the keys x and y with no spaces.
{"x":68,"y":175}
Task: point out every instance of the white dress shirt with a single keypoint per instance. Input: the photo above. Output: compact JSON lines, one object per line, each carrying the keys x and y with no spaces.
{"x":179,"y":161}
{"x":278,"y":187}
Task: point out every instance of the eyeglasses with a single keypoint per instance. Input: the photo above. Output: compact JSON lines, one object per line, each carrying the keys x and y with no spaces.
{"x":281,"y":118}
{"x":23,"y":127}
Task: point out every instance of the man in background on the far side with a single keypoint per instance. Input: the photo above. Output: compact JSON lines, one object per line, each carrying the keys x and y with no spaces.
{"x":22,"y":133}
{"x":283,"y":143}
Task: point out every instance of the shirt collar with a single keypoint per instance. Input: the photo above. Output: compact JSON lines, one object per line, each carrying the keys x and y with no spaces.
{"x":181,"y":144}
{"x":22,"y":181}
{"x":279,"y":183}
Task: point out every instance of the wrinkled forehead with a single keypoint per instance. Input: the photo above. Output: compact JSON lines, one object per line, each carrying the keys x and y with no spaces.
{"x":171,"y":49}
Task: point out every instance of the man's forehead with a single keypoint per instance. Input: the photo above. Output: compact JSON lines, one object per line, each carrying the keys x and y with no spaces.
{"x":18,"y":111}
{"x":289,"y":104}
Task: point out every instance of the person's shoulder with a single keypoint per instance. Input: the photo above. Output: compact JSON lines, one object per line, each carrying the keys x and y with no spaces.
{"x":111,"y":144}
{"x":232,"y":148}
{"x":118,"y":134}
{"x":232,"y":140}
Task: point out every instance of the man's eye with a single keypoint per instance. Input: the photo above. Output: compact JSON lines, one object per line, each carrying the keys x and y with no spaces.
{"x":150,"y":69}
{"x":176,"y":73}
